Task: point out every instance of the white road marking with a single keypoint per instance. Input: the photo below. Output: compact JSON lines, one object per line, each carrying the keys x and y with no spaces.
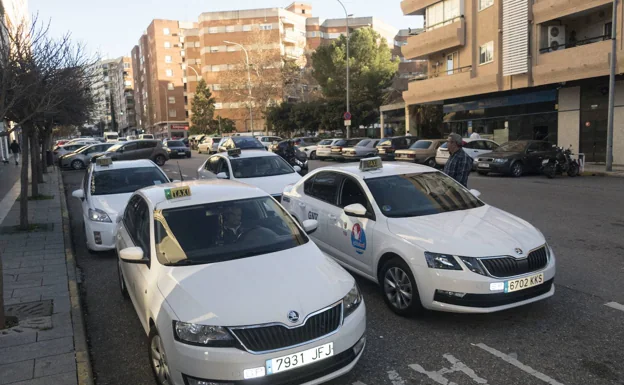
{"x":359,"y":383}
{"x":615,"y":305}
{"x":456,"y":366}
{"x":395,"y":377}
{"x":184,"y":175}
{"x":518,"y":364}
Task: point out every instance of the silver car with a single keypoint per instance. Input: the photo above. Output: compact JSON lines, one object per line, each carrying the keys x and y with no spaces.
{"x":79,"y":159}
{"x":363,"y":149}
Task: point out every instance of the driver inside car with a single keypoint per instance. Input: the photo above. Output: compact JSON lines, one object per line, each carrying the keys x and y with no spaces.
{"x":232,"y":224}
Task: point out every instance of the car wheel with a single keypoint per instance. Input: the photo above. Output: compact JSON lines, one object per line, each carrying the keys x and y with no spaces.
{"x":160,"y":160}
{"x":199,"y":151}
{"x":188,"y":155}
{"x":399,"y":288}
{"x":313,"y":155}
{"x":482,"y":173}
{"x":550,"y":171}
{"x":573,"y":170}
{"x":77,"y":164}
{"x":122,"y":282}
{"x":517,"y":169}
{"x":430,"y":162}
{"x":158,"y":359}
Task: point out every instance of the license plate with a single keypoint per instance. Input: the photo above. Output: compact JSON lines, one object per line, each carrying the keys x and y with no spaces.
{"x":297,"y":360}
{"x":181,"y":152}
{"x":524,"y":283}
{"x":484,"y":165}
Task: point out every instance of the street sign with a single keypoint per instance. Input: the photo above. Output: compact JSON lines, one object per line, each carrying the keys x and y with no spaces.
{"x":347,"y":116}
{"x":347,"y":122}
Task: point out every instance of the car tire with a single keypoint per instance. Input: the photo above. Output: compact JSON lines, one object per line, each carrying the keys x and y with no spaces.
{"x":188,"y":156}
{"x":431,"y":162}
{"x":484,"y":173}
{"x":198,"y":151}
{"x":517,"y":169}
{"x":122,"y":283}
{"x":573,"y":170}
{"x":158,"y":359}
{"x":550,"y":171}
{"x":404,"y":302}
{"x":313,"y":155}
{"x":160,"y":160}
{"x":77,"y":164}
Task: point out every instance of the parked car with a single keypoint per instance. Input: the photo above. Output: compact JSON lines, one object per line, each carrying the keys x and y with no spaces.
{"x":111,"y":136}
{"x":387,"y":147}
{"x":306,"y":140}
{"x":208,"y":144}
{"x":242,"y":142}
{"x":57,"y":152}
{"x":268,"y":140}
{"x":473,"y":147}
{"x":177,"y":149}
{"x":80,"y":158}
{"x":516,"y":158}
{"x":138,"y":149}
{"x":323,"y":150}
{"x":365,"y":148}
{"x":336,"y":148}
{"x":422,"y":151}
{"x":124,"y":139}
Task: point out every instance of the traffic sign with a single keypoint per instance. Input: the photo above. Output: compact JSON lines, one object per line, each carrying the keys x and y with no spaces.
{"x":347,"y":122}
{"x":347,"y":116}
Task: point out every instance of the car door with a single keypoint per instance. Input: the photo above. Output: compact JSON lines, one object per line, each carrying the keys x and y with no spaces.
{"x":352,"y":237}
{"x":129,"y":152}
{"x":210,"y":168}
{"x":145,"y":149}
{"x":534,"y":155}
{"x":475,"y":148}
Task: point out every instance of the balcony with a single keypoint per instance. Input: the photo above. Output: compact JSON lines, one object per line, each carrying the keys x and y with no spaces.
{"x":578,"y":62}
{"x":544,"y":10}
{"x":291,"y":37}
{"x":416,"y":7}
{"x":440,"y":37}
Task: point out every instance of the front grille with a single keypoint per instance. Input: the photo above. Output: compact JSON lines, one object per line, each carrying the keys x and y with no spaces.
{"x":509,"y":266}
{"x":277,"y":336}
{"x":497,"y":299}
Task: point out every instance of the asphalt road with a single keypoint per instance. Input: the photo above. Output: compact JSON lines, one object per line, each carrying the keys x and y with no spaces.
{"x":571,"y":339}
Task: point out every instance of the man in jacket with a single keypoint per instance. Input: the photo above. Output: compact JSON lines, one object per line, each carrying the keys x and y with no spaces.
{"x":15,"y":149}
{"x":459,"y":164}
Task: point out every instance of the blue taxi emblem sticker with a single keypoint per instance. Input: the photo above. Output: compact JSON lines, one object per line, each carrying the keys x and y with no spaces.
{"x":358,"y":238}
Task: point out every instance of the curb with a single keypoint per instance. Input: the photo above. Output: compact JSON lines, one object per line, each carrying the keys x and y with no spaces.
{"x":602,"y":173}
{"x":83,"y":363}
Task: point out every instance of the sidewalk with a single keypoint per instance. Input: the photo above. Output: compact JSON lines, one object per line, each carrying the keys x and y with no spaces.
{"x":594,"y":169}
{"x":48,"y":347}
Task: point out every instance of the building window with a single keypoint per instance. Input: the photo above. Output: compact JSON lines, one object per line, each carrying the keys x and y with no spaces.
{"x":167,"y":44}
{"x":247,"y":28}
{"x":170,"y":86}
{"x":168,"y":59}
{"x":266,"y":27}
{"x":214,"y":49}
{"x":197,"y":44}
{"x":442,"y":13}
{"x":166,"y":31}
{"x":230,"y":28}
{"x":486,"y":53}
{"x":218,"y":106}
{"x":126,"y":65}
{"x":213,"y":30}
{"x":171,"y":99}
{"x":172,"y":113}
{"x":169,"y":73}
{"x":483,"y":4}
{"x":216,"y":68}
{"x":313,"y":34}
{"x":216,"y":87}
{"x":128,"y":83}
{"x":185,"y":99}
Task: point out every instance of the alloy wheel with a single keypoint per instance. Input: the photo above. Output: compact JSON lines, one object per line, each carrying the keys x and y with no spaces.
{"x":398,"y":288}
{"x":159,"y":361}
{"x":76,"y":164}
{"x":160,"y":160}
{"x":516,"y":169}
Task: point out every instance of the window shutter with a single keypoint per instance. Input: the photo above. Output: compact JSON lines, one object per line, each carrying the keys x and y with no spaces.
{"x":515,"y":37}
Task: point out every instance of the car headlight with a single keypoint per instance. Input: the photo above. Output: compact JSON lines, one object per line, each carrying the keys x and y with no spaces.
{"x":98,"y":215}
{"x":207,"y":335}
{"x":351,"y":301}
{"x":168,"y":149}
{"x":442,"y":261}
{"x":473,"y":265}
{"x":499,"y":160}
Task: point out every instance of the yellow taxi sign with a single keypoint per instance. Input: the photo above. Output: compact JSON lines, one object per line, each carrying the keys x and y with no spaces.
{"x":368,"y":164}
{"x":234,"y":152}
{"x":103,"y":161}
{"x":178,"y":192}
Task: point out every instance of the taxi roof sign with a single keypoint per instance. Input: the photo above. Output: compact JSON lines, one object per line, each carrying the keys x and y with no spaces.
{"x":178,"y":192}
{"x":368,"y":164}
{"x":234,"y":152}
{"x":103,"y":161}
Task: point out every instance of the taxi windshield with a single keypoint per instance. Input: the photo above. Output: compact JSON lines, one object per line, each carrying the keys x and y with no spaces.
{"x":414,"y":195}
{"x":224,"y":231}
{"x":261,"y":166}
{"x":125,"y":180}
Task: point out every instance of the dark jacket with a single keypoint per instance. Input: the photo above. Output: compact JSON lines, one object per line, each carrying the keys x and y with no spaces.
{"x":15,"y":148}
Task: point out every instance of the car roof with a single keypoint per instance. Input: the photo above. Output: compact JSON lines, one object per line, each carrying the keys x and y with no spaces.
{"x":202,"y":191}
{"x":124,"y":164}
{"x":389,"y":168}
{"x":251,"y":153}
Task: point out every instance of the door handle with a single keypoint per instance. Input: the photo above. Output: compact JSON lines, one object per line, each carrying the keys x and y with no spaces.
{"x":332,"y":216}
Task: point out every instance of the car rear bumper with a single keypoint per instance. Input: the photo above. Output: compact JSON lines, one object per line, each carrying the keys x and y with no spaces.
{"x":498,"y":168}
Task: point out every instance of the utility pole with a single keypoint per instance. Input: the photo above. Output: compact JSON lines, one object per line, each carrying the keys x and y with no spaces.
{"x":609,"y":163}
{"x":348,"y":106}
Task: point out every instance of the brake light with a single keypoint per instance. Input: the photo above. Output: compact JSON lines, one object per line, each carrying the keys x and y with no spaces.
{"x":411,"y":156}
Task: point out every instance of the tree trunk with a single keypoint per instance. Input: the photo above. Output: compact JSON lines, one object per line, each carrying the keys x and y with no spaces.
{"x":24,"y":181}
{"x":44,"y":148}
{"x":38,"y":150}
{"x":2,"y":319}
{"x":34,"y":173}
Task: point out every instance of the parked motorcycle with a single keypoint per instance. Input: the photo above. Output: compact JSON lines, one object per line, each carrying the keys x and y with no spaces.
{"x":561,"y":163}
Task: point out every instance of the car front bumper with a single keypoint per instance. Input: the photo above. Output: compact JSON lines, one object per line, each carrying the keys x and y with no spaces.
{"x":434,"y":285}
{"x":226,"y":365}
{"x":100,"y":235}
{"x":179,"y":154}
{"x":497,"y":168}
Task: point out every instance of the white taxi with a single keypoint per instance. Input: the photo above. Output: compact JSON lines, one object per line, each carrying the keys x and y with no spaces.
{"x":106,"y":188}
{"x":262,"y":169}
{"x":425,"y":239}
{"x":230,"y":288}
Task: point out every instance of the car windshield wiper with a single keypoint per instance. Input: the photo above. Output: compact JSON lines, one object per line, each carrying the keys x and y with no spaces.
{"x":185,"y":262}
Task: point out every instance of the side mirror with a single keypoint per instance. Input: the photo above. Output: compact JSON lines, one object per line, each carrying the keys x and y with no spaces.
{"x":132,"y":255}
{"x":79,"y":194}
{"x":355,"y":210}
{"x":476,"y":193}
{"x":297,"y":168}
{"x":222,"y":149}
{"x":118,"y":219}
{"x":222,"y":175}
{"x":310,"y":225}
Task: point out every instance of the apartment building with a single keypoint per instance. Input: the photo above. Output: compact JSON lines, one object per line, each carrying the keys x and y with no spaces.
{"x":102,"y":91}
{"x":122,"y":95}
{"x":520,"y":69}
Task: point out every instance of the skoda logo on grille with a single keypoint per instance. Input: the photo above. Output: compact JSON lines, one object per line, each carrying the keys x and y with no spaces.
{"x":293,"y":316}
{"x":518,"y":251}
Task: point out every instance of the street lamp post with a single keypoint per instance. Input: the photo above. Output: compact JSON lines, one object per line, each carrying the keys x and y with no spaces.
{"x":348,"y":106}
{"x":248,"y":84}
{"x":166,"y":107}
{"x":612,"y":65}
{"x":194,"y":70}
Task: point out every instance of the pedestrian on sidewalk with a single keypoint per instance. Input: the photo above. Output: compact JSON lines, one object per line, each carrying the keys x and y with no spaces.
{"x":15,"y":149}
{"x":459,"y":164}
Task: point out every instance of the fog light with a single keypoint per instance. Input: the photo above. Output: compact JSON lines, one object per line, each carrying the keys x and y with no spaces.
{"x":98,"y":237}
{"x":357,"y":348}
{"x":496,"y":286}
{"x":254,"y":373}
{"x":451,"y":293}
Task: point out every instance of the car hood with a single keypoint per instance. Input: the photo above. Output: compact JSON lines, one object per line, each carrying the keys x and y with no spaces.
{"x":483,"y":231}
{"x":113,"y":204}
{"x":501,"y":154}
{"x":255,"y":290}
{"x":273,"y":185}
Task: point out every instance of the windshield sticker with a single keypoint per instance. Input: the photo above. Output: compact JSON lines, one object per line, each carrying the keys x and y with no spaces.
{"x":386,"y":208}
{"x":358,"y":238}
{"x":312,"y":215}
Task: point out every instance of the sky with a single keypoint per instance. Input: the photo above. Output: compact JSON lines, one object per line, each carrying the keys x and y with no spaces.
{"x":112,"y":27}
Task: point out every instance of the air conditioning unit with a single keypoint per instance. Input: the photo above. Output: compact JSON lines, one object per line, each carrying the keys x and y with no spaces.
{"x":556,"y":37}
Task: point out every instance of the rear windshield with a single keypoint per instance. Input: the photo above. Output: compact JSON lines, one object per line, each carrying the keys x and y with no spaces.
{"x":363,"y":143}
{"x":421,"y":144}
{"x":175,"y":143}
{"x":325,"y":142}
{"x":243,"y":142}
{"x":125,"y":180}
{"x":258,"y":167}
{"x":385,"y":142}
{"x":341,"y":142}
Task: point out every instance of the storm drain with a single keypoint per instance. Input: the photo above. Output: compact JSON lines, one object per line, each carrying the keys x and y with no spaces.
{"x":29,"y":309}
